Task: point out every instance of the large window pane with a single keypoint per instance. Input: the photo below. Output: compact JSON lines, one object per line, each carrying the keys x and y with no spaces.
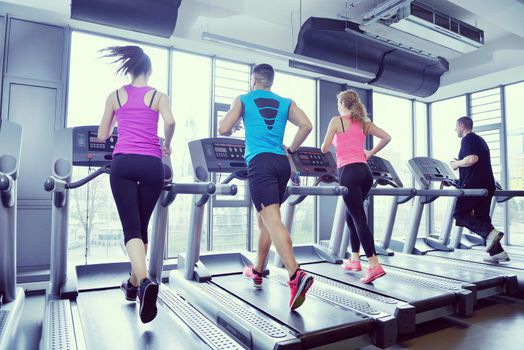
{"x":445,"y":143}
{"x":515,"y":149}
{"x":486,"y":112}
{"x":192,"y":110}
{"x":94,"y":226}
{"x":230,"y":224}
{"x":393,"y":114}
{"x":421,"y":149}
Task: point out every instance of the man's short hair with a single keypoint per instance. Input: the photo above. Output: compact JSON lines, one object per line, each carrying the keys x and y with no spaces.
{"x":264,"y":74}
{"x":466,"y":121}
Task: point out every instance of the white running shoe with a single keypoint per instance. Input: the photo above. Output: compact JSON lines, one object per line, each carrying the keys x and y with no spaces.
{"x":497,"y":258}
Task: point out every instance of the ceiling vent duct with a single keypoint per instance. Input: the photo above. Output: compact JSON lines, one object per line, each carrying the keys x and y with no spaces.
{"x":155,"y":17}
{"x":432,"y":25}
{"x":394,"y":67}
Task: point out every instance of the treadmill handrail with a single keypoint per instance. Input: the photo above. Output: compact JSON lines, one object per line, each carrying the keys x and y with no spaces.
{"x":439,"y":193}
{"x":505,"y":195}
{"x":54,"y":184}
{"x":392,"y":191}
{"x":304,"y":191}
{"x":477,"y":192}
{"x":205,"y":188}
{"x":223,"y":189}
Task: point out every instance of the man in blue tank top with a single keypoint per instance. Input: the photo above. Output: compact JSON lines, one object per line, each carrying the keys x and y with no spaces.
{"x":265,"y":115}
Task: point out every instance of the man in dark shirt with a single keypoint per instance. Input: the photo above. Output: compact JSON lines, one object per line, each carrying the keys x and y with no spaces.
{"x":474,"y":164}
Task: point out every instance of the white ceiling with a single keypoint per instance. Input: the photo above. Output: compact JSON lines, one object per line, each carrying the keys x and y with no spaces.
{"x":275,"y":24}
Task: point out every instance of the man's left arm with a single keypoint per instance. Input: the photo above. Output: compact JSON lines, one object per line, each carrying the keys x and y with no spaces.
{"x":465,"y":162}
{"x":469,"y":149}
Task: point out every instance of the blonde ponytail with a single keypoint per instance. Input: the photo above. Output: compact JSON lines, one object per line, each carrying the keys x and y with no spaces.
{"x":352,"y":102}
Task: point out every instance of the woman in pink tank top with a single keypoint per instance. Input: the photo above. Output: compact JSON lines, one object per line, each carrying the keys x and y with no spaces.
{"x":137,"y":170}
{"x":347,"y":133}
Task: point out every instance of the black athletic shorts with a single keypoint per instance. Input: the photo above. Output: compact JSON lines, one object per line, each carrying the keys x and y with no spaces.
{"x":268,"y":174}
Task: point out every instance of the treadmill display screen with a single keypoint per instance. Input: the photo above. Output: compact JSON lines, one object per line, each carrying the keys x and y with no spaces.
{"x":377,"y":166}
{"x":313,"y":158}
{"x":102,"y":146}
{"x":228,"y":151}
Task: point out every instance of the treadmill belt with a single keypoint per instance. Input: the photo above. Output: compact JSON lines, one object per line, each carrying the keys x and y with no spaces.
{"x":111,"y":322}
{"x":418,"y":295}
{"x":314,"y":316}
{"x":483,"y":279}
{"x":477,"y":256}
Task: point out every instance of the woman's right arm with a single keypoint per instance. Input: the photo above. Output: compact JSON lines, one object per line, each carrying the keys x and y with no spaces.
{"x":330,"y":134}
{"x":169,"y":122}
{"x":382,"y":135}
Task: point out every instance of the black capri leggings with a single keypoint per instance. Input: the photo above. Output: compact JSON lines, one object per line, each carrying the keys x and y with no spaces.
{"x":358,"y":179}
{"x":136,"y":182}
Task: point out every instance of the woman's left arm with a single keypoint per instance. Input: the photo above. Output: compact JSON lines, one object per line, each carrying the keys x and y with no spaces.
{"x":108,"y":120}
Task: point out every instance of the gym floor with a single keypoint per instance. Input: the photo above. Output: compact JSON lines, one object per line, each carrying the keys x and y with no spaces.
{"x":496,"y":324}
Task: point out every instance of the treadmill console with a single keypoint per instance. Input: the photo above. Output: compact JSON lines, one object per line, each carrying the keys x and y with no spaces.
{"x":310,"y":161}
{"x":383,"y":172}
{"x":88,"y":150}
{"x":217,"y":154}
{"x":427,"y":170}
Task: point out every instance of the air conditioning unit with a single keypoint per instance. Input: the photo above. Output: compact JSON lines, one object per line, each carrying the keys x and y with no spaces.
{"x":430,"y":24}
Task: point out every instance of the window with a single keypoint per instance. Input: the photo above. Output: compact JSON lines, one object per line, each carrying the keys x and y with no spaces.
{"x":192,"y":111}
{"x":393,"y":115}
{"x":421,"y":149}
{"x":230,"y":213}
{"x":487,"y":122}
{"x":303,"y":91}
{"x":95,"y":233}
{"x":515,"y":157}
{"x":445,"y":143}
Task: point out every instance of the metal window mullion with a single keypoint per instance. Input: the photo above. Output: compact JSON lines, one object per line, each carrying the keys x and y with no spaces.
{"x":169,"y":94}
{"x":429,"y":117}
{"x":504,"y":160}
{"x":318,"y":141}
{"x":212,"y":133}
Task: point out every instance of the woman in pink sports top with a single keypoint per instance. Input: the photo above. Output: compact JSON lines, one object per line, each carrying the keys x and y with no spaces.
{"x":347,"y":133}
{"x":137,"y":171}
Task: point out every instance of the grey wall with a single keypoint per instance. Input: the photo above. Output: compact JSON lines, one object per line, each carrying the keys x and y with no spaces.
{"x":327,"y":105}
{"x":2,"y":36}
{"x":33,"y":95}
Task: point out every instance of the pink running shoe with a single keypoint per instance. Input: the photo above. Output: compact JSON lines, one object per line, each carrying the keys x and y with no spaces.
{"x":299,"y":287}
{"x":372,"y":273}
{"x":256,"y":279}
{"x":352,"y":265}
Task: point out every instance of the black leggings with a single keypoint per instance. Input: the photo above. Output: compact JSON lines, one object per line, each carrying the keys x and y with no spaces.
{"x":136,"y":182}
{"x":358,"y":179}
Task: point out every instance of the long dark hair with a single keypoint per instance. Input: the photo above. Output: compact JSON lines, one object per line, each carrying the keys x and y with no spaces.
{"x":131,"y":59}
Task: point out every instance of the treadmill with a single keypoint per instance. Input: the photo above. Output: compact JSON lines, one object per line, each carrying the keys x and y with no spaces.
{"x":257,"y":318}
{"x":429,"y":171}
{"x":428,"y":299}
{"x":11,"y":298}
{"x":485,"y":282}
{"x":102,"y":319}
{"x":468,"y":240}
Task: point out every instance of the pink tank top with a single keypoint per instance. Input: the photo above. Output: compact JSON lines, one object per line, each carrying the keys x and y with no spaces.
{"x":137,"y":125}
{"x":349,"y":144}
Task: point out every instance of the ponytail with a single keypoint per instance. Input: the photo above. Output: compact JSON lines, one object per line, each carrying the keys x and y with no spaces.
{"x":131,"y":59}
{"x":352,"y":102}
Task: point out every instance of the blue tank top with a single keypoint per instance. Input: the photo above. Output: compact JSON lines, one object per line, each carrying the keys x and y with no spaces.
{"x":265,"y":118}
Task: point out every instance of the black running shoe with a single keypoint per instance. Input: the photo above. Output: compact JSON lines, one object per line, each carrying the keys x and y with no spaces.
{"x":130,"y":291}
{"x":148,"y":296}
